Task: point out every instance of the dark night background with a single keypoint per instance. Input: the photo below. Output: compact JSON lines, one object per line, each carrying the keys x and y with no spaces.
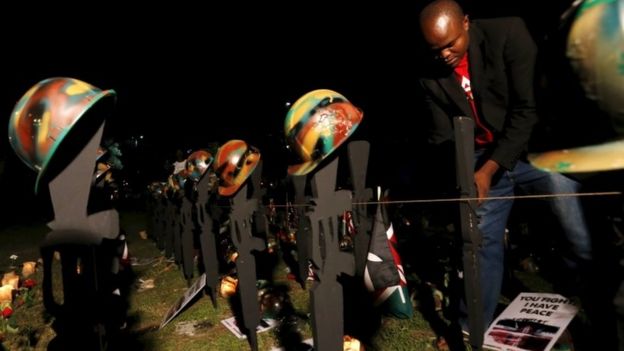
{"x":187,"y":77}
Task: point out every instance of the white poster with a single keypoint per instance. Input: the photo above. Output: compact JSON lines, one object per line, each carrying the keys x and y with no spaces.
{"x":532,"y":321}
{"x":264,"y":325}
{"x":190,"y":293}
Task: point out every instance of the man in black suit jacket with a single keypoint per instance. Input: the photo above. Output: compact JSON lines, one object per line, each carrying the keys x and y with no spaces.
{"x":484,"y":70}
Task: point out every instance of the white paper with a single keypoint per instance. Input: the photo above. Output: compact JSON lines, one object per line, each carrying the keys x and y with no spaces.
{"x":264,"y":325}
{"x":190,"y":293}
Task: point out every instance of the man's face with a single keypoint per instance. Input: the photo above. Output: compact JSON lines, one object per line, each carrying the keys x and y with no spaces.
{"x":447,"y":38}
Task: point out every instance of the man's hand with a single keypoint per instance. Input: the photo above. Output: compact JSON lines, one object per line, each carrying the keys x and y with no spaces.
{"x":483,"y":179}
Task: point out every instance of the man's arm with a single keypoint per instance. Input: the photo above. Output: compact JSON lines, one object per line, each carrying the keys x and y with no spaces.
{"x":519,"y":54}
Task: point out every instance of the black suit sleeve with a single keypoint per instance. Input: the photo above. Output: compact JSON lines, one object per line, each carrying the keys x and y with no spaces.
{"x":519,"y":55}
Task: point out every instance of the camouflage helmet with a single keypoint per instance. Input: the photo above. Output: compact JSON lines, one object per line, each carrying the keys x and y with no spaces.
{"x":198,"y":163}
{"x":47,"y":112}
{"x":235,"y":161}
{"x":318,"y":123}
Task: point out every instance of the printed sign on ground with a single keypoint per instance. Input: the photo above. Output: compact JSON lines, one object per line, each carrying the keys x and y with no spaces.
{"x":532,"y":321}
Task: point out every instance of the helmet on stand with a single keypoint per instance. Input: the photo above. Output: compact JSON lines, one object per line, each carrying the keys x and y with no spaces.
{"x":234,"y":163}
{"x":44,"y":117}
{"x":316,"y":125}
{"x":198,"y":163}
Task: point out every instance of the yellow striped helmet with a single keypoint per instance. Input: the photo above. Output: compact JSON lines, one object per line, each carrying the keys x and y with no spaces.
{"x":318,"y":123}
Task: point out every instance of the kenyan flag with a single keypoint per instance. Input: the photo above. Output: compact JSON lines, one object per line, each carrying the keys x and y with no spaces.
{"x":384,"y":275}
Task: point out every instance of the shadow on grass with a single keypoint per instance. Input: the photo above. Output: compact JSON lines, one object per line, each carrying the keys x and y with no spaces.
{"x":96,"y":291}
{"x":275,"y":303}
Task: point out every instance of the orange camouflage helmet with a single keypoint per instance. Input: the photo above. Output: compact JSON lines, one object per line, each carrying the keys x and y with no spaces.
{"x":43,"y":118}
{"x":234,"y":163}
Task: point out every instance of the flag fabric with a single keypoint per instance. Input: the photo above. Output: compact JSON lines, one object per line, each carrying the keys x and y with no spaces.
{"x":347,"y":219}
{"x":384,"y":275}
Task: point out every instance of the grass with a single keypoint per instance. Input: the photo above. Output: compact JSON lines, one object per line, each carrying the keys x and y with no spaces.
{"x":147,"y":308}
{"x":34,"y":324}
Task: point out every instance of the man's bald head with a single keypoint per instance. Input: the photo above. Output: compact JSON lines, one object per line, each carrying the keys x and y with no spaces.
{"x":444,"y":28}
{"x":441,"y":8}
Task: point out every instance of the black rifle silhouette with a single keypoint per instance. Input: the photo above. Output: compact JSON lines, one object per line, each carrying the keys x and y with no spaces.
{"x":304,"y":238}
{"x":358,"y":164}
{"x":80,"y":321}
{"x":464,"y":157}
{"x":186,"y":234}
{"x":207,"y":238}
{"x":328,"y":261}
{"x":242,"y":237}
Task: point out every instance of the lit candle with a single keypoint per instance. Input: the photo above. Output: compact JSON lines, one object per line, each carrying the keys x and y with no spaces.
{"x":6,"y":293}
{"x":11,"y":279}
{"x":29,"y":268}
{"x":228,"y":286}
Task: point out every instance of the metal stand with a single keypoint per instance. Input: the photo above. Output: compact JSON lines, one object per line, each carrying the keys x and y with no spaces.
{"x":358,"y":164}
{"x":328,"y":261}
{"x":464,"y":151}
{"x":242,"y":237}
{"x":88,"y":258}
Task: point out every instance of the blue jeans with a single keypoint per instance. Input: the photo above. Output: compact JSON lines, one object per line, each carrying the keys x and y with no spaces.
{"x":493,"y":215}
